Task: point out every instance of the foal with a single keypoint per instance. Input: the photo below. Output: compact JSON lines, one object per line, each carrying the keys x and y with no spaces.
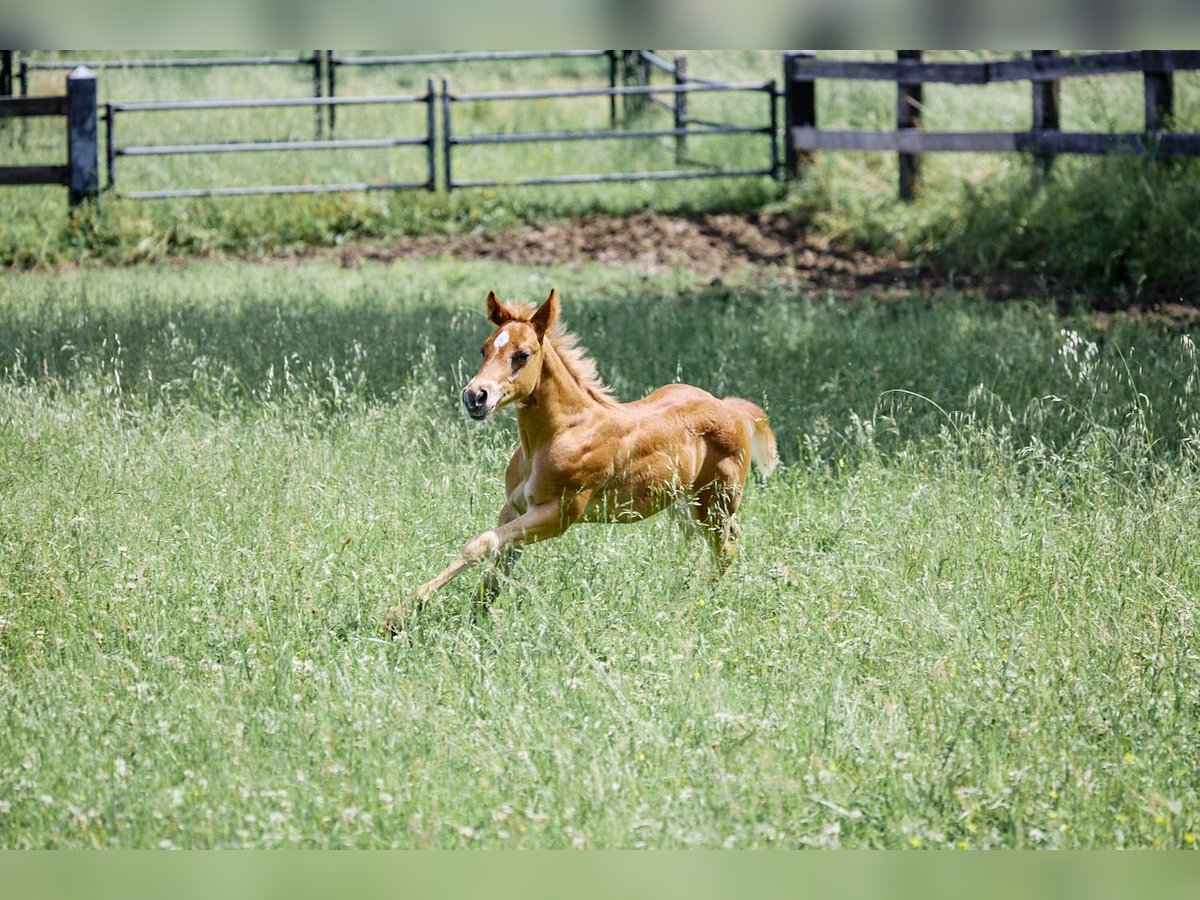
{"x":584,"y":457}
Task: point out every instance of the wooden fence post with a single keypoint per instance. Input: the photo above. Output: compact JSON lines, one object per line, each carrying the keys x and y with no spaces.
{"x":910,"y":97}
{"x":331,"y":64}
{"x":6,"y":73}
{"x":318,"y":112}
{"x":1159,"y":89}
{"x":431,"y":134}
{"x":83,"y":170}
{"x":447,"y":134}
{"x":1046,"y":106}
{"x":614,"y":66}
{"x":799,"y":109}
{"x":635,"y":72}
{"x":681,"y":108}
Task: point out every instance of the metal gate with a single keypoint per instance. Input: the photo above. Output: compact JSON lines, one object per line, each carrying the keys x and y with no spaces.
{"x":114,"y":150}
{"x":680,"y":132}
{"x":441,"y":132}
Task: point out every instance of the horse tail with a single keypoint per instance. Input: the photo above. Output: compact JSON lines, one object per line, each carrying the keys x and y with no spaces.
{"x":763,"y":451}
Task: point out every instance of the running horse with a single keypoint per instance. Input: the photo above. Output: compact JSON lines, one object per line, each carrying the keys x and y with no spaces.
{"x":584,"y":457}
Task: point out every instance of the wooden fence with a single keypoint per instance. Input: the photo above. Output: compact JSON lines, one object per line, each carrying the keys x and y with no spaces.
{"x":81,"y":173}
{"x":1044,"y":69}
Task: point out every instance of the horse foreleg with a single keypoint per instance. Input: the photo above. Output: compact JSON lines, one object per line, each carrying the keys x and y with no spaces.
{"x":503,"y":564}
{"x":537,"y":524}
{"x":499,"y":573}
{"x":505,"y":540}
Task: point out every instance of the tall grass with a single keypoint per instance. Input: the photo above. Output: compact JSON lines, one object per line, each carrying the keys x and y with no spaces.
{"x":964,"y":613}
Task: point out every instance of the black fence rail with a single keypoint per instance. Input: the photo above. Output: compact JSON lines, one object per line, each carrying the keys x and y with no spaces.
{"x":1044,"y":69}
{"x":451,"y":140}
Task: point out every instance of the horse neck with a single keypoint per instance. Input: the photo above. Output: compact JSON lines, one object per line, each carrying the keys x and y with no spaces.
{"x":557,"y":398}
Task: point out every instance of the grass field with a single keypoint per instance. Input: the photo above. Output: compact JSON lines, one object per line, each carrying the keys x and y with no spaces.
{"x":965,"y":612}
{"x":1126,"y":228}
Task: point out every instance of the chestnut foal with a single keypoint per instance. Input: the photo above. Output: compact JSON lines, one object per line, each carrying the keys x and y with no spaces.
{"x":584,"y":457}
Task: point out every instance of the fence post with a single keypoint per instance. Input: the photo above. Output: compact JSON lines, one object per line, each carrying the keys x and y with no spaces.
{"x":681,"y":108}
{"x":635,"y":72}
{"x":773,"y":116}
{"x":799,"y":109}
{"x":6,"y":73}
{"x":612,"y":83}
{"x":331,"y":63}
{"x":910,"y":97}
{"x":431,"y":133}
{"x":1159,"y":88}
{"x":110,"y":144}
{"x":1046,"y":106}
{"x":83,"y":178}
{"x":446,"y":136}
{"x":316,"y":78}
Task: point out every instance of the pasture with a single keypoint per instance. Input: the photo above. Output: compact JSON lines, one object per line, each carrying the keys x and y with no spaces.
{"x":964,"y":613}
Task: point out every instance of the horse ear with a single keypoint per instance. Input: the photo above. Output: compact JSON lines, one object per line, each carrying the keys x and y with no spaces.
{"x":543,"y":320}
{"x":496,"y":312}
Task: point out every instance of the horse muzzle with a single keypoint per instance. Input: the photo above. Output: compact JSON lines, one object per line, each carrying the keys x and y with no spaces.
{"x":479,"y":401}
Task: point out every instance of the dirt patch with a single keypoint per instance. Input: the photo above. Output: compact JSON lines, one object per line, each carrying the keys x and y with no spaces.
{"x":724,"y":247}
{"x":712,"y":245}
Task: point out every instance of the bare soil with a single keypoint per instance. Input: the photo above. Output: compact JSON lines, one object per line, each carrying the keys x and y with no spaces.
{"x":711,"y":245}
{"x":725,"y":247}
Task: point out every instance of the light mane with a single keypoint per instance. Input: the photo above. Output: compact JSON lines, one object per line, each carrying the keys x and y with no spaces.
{"x":574,"y":358}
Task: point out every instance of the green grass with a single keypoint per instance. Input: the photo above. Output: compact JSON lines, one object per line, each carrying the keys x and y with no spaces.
{"x":965,"y":610}
{"x":1123,"y":228}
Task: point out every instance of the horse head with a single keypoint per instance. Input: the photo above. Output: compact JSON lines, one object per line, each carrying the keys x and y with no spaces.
{"x":512,"y":356}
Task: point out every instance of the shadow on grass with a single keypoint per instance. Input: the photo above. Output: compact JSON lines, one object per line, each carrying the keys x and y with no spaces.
{"x":820,"y":368}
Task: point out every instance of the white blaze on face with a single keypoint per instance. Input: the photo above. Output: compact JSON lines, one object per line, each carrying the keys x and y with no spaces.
{"x":501,"y":340}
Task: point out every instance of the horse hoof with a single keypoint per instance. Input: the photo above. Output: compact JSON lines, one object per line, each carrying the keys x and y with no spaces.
{"x":391,"y":626}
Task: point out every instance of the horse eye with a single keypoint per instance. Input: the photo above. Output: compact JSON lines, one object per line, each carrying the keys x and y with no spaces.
{"x":520,"y":356}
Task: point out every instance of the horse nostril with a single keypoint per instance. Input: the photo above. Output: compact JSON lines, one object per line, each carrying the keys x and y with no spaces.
{"x":475,"y":399}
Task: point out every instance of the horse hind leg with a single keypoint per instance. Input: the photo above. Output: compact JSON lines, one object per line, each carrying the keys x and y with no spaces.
{"x":716,"y":505}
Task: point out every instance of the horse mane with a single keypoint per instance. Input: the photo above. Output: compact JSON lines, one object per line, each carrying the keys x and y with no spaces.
{"x":574,"y":358}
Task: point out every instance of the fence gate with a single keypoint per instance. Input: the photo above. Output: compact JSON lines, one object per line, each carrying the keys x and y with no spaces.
{"x":427,"y":140}
{"x":682,"y":129}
